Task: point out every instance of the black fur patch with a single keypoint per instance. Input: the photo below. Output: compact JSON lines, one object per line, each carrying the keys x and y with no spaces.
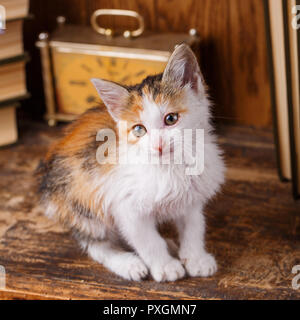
{"x":152,"y":82}
{"x":88,"y":154}
{"x":54,"y":176}
{"x":83,"y":237}
{"x":79,"y":209}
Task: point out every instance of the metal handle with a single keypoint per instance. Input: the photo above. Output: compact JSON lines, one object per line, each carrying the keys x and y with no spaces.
{"x":117,"y":12}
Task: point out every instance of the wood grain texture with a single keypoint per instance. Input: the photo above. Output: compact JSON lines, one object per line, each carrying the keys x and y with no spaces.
{"x":252,"y":231}
{"x":233,"y":53}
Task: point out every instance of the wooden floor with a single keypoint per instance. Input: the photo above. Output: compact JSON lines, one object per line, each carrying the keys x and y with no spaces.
{"x":251,"y":230}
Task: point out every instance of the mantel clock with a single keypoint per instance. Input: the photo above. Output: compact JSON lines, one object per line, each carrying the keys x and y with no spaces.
{"x":73,"y":54}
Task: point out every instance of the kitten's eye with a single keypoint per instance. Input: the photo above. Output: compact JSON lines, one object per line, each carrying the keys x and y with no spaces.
{"x":171,"y":119}
{"x":139,"y":130}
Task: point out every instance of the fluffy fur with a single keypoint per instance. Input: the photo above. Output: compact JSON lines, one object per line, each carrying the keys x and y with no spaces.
{"x":114,"y":209}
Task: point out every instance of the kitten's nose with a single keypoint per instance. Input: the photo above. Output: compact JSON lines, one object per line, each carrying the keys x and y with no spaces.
{"x":159,"y":147}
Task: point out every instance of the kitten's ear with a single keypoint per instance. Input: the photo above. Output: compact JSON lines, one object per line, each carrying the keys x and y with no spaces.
{"x":183,"y":69}
{"x":113,"y":95}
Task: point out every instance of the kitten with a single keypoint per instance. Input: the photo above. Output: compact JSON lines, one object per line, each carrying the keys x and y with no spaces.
{"x":114,"y":209}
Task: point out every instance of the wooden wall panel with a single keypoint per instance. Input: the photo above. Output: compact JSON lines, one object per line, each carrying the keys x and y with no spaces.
{"x":233,"y":50}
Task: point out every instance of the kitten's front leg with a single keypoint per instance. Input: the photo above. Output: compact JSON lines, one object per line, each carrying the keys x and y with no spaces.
{"x":141,"y":233}
{"x":191,"y":228}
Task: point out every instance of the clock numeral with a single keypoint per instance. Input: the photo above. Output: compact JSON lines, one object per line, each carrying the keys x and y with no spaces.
{"x":77,"y":82}
{"x":113,"y":61}
{"x":125,"y":64}
{"x":86,"y":68}
{"x":140,"y":73}
{"x":99,"y":61}
{"x":112,"y":73}
{"x":91,"y":99}
{"x":126,"y":78}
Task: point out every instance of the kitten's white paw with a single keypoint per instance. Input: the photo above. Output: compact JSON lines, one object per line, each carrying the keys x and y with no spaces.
{"x":202,"y":266}
{"x":132,"y":268}
{"x":170,"y":271}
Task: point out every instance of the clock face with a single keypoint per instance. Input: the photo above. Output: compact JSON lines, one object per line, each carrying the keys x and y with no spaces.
{"x":73,"y":71}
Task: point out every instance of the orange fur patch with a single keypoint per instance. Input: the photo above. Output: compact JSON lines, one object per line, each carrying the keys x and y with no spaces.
{"x":78,"y":136}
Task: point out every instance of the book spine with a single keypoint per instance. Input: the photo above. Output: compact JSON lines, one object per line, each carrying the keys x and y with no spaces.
{"x":16,"y":99}
{"x":27,"y":17}
{"x":285,"y":6}
{"x":272,"y":88}
{"x":297,"y":190}
{"x":21,"y":57}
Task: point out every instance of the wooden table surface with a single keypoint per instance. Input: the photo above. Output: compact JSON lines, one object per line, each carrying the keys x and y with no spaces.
{"x":251,"y":230}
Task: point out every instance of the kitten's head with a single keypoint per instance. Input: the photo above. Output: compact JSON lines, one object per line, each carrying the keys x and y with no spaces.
{"x":162,"y":106}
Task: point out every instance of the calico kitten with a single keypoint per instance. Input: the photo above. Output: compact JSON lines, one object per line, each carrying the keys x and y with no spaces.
{"x":114,"y":209}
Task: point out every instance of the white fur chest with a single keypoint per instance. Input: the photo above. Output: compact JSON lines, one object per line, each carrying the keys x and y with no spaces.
{"x":163,"y":190}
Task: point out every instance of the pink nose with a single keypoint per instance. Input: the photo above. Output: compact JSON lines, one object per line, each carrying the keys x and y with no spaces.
{"x":159,"y":147}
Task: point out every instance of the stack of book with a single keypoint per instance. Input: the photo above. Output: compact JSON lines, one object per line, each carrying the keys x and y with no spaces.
{"x":283,"y":34}
{"x":12,"y":66}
